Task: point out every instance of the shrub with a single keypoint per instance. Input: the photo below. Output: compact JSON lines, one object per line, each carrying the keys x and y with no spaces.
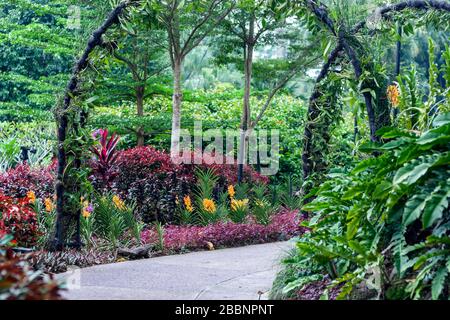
{"x":18,"y":281}
{"x":19,"y":219}
{"x":18,"y":181}
{"x":283,"y":226}
{"x":382,"y":231}
{"x":112,"y":219}
{"x":103,"y":163}
{"x":148,"y":177}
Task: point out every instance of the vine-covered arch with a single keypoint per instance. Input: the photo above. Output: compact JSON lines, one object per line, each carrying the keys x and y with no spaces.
{"x":66,"y":214}
{"x":378,"y":115}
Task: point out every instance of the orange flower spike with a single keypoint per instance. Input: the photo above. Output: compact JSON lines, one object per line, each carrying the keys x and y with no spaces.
{"x":231,"y":191}
{"x":86,"y":214}
{"x":31,"y":196}
{"x":118,"y":202}
{"x":393,"y":95}
{"x":209,"y":205}
{"x":188,"y":203}
{"x":48,"y":205}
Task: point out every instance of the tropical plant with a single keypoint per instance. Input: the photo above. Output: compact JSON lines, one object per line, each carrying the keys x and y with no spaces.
{"x":262,"y":210}
{"x":87,"y":228}
{"x":105,"y":155}
{"x":18,"y":145}
{"x":381,"y":231}
{"x":113,"y":218}
{"x":19,"y":219}
{"x":17,"y":182}
{"x":185,"y":211}
{"x":239,"y":210}
{"x":46,"y":216}
{"x":18,"y":281}
{"x":415,"y":113}
{"x":159,"y":228}
{"x":204,"y":195}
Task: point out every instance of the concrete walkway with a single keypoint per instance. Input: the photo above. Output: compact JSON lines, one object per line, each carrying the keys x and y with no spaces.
{"x":237,"y":273}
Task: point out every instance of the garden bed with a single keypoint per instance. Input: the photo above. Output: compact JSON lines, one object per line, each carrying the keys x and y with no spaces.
{"x":283,"y":226}
{"x":177,"y":240}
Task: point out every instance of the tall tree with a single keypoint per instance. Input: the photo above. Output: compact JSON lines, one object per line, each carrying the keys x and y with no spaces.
{"x":252,"y":25}
{"x":138,"y":46}
{"x":188,"y":23}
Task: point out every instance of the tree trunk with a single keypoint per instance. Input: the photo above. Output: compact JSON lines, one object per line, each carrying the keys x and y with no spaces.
{"x":176,"y":105}
{"x":140,"y":134}
{"x":398,"y":55}
{"x":310,"y":160}
{"x":246,"y":111}
{"x":313,"y":114}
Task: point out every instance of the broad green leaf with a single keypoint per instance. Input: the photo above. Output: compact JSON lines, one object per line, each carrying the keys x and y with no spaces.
{"x":352,"y":227}
{"x":416,"y":169}
{"x":365,"y":164}
{"x":409,"y":174}
{"x":442,"y":120}
{"x":353,"y":192}
{"x":436,"y":136}
{"x":370,"y":147}
{"x":435,"y":207}
{"x":438,"y":283}
{"x":395,"y":143}
{"x":393,"y":132}
{"x":413,"y":209}
{"x":301,"y":282}
{"x":408,"y":153}
{"x":382,"y":190}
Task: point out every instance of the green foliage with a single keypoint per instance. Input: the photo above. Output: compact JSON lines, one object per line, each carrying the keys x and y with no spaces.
{"x":386,"y":224}
{"x":160,"y":233}
{"x":219,"y":108}
{"x":239,"y":210}
{"x":38,"y":138}
{"x":415,"y":102}
{"x":263,"y":211}
{"x":262,"y":208}
{"x":206,"y":181}
{"x":185,"y":217}
{"x":39,"y":31}
{"x":46,"y":221}
{"x":113,"y":218}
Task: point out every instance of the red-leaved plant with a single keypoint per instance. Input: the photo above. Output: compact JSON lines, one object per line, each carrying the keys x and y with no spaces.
{"x":18,"y":181}
{"x":19,"y":220}
{"x":105,"y":156}
{"x":283,"y":226}
{"x":18,"y":280}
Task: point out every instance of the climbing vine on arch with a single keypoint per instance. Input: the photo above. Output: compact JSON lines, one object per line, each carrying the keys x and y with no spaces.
{"x":371,"y":84}
{"x":70,"y":116}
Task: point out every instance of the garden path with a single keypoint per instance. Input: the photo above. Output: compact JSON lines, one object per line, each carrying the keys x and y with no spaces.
{"x":235,"y":273}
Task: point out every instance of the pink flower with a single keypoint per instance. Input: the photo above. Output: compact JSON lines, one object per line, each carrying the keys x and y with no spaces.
{"x":97,"y":133}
